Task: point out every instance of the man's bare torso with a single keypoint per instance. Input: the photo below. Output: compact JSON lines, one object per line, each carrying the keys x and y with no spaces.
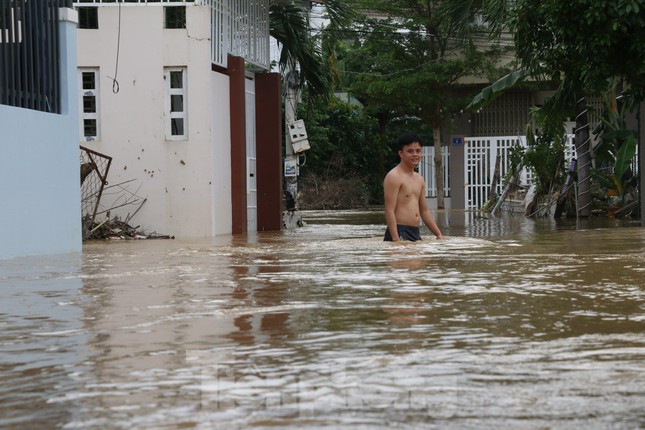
{"x":410,"y":186}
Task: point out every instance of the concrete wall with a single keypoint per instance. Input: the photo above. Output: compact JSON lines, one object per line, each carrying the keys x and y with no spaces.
{"x":39,"y":168}
{"x":185,"y":182}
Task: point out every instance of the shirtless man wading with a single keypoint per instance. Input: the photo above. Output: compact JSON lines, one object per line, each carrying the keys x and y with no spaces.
{"x":405,"y":203}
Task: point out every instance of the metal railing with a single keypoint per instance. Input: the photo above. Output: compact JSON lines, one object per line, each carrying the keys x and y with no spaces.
{"x":427,"y":170}
{"x":480,"y":157}
{"x":30,"y":54}
{"x":94,"y":171}
{"x":240,"y":27}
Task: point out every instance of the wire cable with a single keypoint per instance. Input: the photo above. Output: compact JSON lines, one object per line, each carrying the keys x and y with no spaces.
{"x":115,"y":82}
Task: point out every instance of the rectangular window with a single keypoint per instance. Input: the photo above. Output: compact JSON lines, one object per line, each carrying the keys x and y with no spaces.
{"x":176,"y":107}
{"x":174,"y":17}
{"x":88,"y":79}
{"x":88,"y":17}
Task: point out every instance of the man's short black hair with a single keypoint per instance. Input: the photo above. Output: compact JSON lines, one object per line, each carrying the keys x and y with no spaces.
{"x":407,"y":139}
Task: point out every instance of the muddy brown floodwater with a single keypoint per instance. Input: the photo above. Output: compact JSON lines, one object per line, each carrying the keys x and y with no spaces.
{"x":510,"y":323}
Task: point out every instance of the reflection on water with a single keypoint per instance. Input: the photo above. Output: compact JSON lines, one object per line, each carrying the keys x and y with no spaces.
{"x":510,"y":323}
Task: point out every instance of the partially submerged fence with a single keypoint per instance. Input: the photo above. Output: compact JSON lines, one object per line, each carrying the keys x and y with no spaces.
{"x":427,"y":170}
{"x":480,"y":154}
{"x":30,"y":54}
{"x":94,"y":171}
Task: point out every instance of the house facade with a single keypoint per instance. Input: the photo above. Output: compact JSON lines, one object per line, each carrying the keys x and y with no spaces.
{"x":177,"y":93}
{"x":39,"y":178}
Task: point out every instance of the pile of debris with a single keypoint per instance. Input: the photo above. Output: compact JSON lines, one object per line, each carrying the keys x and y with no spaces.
{"x":115,"y":229}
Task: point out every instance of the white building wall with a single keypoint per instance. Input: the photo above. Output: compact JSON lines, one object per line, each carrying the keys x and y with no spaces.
{"x":176,"y":177}
{"x":39,"y":168}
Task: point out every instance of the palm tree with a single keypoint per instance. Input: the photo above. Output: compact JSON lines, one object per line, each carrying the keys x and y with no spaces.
{"x":300,"y":50}
{"x":494,"y":12}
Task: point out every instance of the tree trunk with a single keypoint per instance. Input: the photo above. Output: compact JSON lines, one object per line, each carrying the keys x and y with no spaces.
{"x":438,"y":166}
{"x":583,"y":152}
{"x":564,"y":196}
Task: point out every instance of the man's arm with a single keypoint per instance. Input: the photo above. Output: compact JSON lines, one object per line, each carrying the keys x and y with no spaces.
{"x":426,"y":215}
{"x":391,"y":193}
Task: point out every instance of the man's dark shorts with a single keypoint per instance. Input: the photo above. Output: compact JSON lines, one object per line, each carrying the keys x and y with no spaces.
{"x":406,"y":232}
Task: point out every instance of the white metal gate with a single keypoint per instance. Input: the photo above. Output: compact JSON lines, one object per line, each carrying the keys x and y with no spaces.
{"x":251,"y":157}
{"x":427,"y":169}
{"x":480,"y":154}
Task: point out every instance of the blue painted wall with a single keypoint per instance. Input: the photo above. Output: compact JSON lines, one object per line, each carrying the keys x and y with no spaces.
{"x":39,"y":168}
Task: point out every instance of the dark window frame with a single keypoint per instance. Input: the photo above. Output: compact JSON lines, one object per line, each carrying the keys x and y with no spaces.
{"x":88,"y":18}
{"x":174,"y":17}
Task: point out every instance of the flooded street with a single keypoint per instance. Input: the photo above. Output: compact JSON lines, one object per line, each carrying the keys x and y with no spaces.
{"x":510,"y":323}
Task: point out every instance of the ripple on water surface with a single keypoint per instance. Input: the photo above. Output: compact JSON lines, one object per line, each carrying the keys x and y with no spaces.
{"x":329,"y":327}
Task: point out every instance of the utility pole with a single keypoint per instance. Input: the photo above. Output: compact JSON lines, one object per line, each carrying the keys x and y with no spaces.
{"x":296,"y":141}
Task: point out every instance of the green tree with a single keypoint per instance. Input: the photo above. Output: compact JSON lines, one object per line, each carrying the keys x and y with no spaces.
{"x":582,"y":44}
{"x":607,"y":40}
{"x":411,"y":60}
{"x":345,"y":149}
{"x":615,"y":152}
{"x":544,"y":157}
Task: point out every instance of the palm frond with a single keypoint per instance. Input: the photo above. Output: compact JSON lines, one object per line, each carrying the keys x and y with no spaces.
{"x":461,"y":13}
{"x":289,"y":25}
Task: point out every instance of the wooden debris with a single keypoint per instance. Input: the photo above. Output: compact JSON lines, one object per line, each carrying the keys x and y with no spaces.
{"x":115,"y":229}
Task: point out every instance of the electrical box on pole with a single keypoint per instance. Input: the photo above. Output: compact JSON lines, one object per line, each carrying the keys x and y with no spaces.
{"x":298,"y":136}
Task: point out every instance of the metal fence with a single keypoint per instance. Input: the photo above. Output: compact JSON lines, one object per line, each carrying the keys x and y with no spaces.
{"x":30,"y":54}
{"x":427,"y":170}
{"x":480,"y":157}
{"x":94,"y":171}
{"x":506,"y":116}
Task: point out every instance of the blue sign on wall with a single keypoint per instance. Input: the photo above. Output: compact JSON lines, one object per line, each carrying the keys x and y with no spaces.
{"x":457,"y":141}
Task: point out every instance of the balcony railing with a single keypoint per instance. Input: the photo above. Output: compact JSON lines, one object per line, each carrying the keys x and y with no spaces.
{"x":30,"y":54}
{"x":240,"y":27}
